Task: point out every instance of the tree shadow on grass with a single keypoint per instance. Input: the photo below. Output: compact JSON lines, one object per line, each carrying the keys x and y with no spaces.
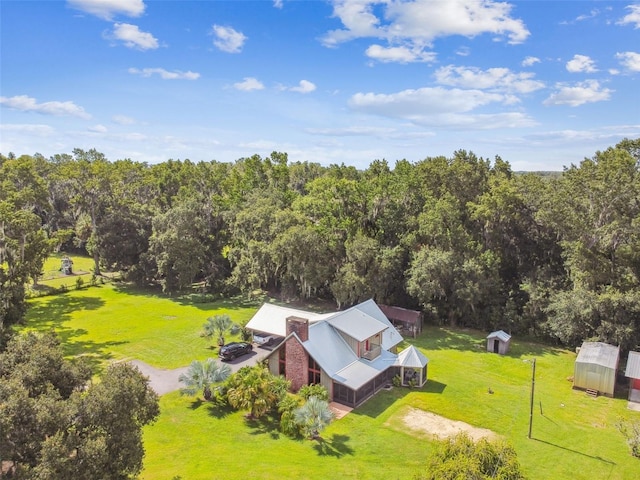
{"x":471,"y":340}
{"x":334,"y":447}
{"x":266,"y":425}
{"x":380,"y":402}
{"x":54,"y":315}
{"x":218,"y":411}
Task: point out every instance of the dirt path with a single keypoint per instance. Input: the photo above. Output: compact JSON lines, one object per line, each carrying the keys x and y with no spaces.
{"x":441,"y":427}
{"x":162,"y":381}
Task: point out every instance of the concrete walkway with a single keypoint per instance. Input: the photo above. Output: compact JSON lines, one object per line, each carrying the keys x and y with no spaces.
{"x":165,"y":381}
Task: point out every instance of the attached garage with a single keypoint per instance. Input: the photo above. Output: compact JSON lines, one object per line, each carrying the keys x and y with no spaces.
{"x":595,"y":368}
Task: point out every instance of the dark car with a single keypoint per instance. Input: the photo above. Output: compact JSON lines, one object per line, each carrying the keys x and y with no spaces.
{"x":234,"y":350}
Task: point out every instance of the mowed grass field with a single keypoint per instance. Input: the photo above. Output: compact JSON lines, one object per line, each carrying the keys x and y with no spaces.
{"x":115,"y":322}
{"x":574,"y":435}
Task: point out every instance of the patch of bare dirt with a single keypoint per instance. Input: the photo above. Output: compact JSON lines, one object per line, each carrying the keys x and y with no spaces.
{"x":442,"y":427}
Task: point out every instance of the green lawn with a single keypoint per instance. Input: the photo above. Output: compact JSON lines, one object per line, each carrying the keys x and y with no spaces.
{"x":52,"y":277}
{"x":574,"y":436}
{"x":115,"y":322}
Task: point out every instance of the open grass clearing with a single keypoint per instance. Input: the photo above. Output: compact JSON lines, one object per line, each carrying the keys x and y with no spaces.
{"x":117,"y":322}
{"x":574,"y":436}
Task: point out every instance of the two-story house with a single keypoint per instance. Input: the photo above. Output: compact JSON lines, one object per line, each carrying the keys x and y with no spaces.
{"x":351,"y":353}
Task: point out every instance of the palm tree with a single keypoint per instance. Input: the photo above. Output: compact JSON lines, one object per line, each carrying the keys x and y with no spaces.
{"x":256,"y":390}
{"x":202,"y":375}
{"x":313,"y":416}
{"x":217,"y":324}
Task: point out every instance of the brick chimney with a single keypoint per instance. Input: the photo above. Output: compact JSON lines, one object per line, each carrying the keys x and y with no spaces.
{"x":296,"y":358}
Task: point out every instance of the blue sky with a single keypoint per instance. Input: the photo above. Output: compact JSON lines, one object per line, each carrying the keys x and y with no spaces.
{"x":543,"y":84}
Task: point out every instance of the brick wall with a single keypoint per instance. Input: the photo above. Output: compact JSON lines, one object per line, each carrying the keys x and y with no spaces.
{"x":297,"y":360}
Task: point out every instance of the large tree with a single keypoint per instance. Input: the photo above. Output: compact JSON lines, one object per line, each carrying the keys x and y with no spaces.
{"x":54,"y":427}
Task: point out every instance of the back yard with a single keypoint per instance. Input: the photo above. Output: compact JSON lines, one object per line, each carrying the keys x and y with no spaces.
{"x":574,"y":436}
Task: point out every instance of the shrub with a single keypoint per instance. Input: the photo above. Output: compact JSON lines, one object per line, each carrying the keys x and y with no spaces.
{"x":396,"y":380}
{"x":314,"y":390}
{"x":79,"y":283}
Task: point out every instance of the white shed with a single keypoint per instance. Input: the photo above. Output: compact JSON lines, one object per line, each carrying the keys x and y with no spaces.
{"x":498,"y":342}
{"x":595,"y":368}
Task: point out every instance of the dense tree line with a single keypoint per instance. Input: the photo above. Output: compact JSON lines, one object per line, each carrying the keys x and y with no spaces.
{"x":465,"y":239}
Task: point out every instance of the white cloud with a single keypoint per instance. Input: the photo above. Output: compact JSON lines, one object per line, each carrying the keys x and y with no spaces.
{"x":408,"y":103}
{"x":497,"y":79}
{"x":277,"y":3}
{"x":581,"y":63}
{"x":530,"y":61}
{"x":305,"y":86}
{"x":632,"y":18}
{"x":98,"y":129}
{"x":589,"y":91}
{"x":133,"y":37}
{"x":629,"y":60}
{"x":249,"y":84}
{"x":123,"y":120}
{"x":399,"y":54}
{"x":29,"y":104}
{"x":227,"y":39}
{"x":419,"y":22}
{"x":38,"y":130}
{"x":165,"y":74}
{"x":106,"y":9}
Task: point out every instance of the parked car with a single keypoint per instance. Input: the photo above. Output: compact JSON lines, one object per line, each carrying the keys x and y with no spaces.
{"x":234,"y":350}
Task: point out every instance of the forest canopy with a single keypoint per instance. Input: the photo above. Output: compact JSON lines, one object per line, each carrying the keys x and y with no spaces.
{"x":464,"y":239}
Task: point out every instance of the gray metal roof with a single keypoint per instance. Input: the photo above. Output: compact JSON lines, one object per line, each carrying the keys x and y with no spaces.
{"x":500,"y":335}
{"x":390,"y":336}
{"x":411,"y":357}
{"x":328,"y":348}
{"x":356,"y":374}
{"x":633,"y":365}
{"x":273,"y":318}
{"x":357,"y":324}
{"x":599,"y":353}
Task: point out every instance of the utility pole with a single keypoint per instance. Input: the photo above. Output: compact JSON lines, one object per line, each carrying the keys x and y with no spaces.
{"x":533,"y":386}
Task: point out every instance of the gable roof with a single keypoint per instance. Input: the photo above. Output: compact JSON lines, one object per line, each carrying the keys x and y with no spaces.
{"x":401,"y":314}
{"x":360,"y":321}
{"x":411,"y":357}
{"x":272,"y":318}
{"x":633,"y":365}
{"x":500,"y":335}
{"x":599,"y":353}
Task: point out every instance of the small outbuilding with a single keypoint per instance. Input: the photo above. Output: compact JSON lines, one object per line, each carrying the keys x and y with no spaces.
{"x":595,"y":368}
{"x":632,"y":372}
{"x":413,"y":366}
{"x":408,"y":321}
{"x":498,"y":342}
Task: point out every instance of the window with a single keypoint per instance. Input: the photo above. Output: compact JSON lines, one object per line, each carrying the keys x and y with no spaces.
{"x":282,"y":361}
{"x":314,"y":372}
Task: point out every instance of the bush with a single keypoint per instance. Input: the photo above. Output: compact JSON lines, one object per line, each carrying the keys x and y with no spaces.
{"x":314,"y":390}
{"x":396,"y":381}
{"x":79,"y":283}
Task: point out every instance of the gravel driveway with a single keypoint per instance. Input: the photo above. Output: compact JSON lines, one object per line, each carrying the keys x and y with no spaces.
{"x":165,"y":381}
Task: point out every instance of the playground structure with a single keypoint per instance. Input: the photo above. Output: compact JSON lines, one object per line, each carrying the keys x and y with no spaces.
{"x":66,"y":265}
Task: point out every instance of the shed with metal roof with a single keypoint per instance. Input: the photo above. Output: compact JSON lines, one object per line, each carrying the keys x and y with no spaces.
{"x":632,"y":372}
{"x":498,"y":342}
{"x":595,"y":368}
